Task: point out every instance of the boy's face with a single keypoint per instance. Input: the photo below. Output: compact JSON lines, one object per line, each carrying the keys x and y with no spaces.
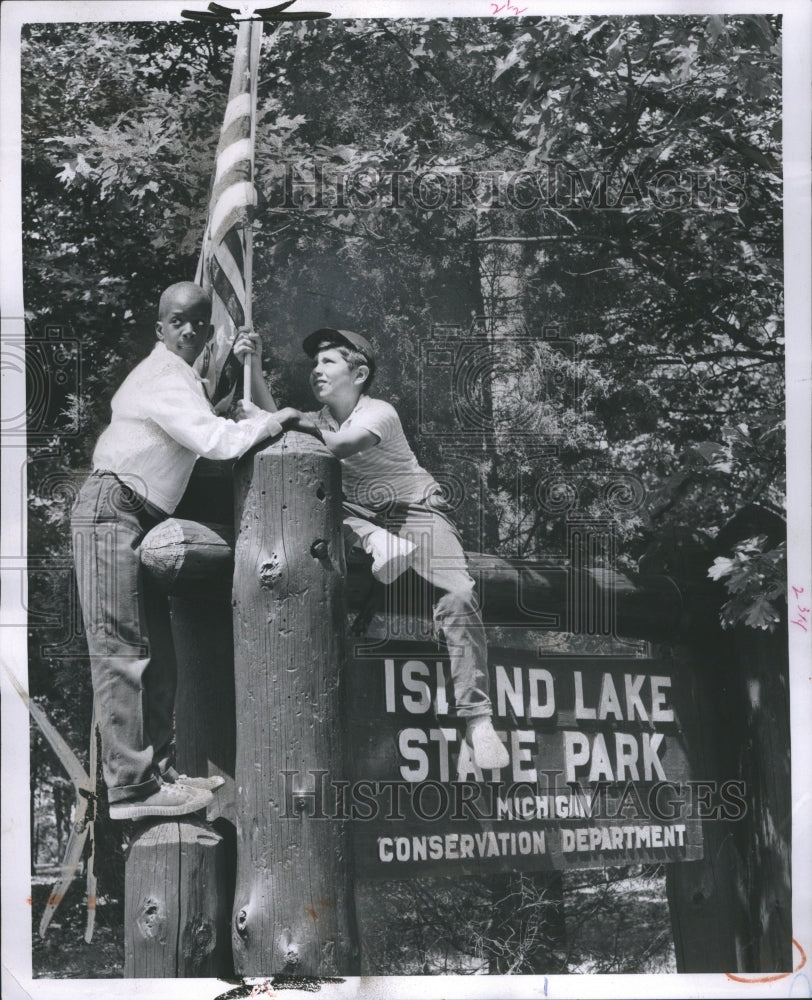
{"x":183,"y":323}
{"x":332,"y":380}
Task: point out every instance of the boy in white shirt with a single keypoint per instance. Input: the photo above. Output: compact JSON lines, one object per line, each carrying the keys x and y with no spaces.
{"x":394,"y":509}
{"x":161,"y":423}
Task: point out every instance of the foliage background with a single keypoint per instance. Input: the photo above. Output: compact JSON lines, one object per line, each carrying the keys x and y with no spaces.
{"x":664,"y":290}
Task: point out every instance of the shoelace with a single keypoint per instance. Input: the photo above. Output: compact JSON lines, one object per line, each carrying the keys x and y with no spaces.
{"x":173,"y":790}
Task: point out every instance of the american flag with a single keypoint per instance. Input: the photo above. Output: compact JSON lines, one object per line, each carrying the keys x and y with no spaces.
{"x":224,"y":269}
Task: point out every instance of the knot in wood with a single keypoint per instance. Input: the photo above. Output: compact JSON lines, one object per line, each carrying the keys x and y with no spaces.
{"x":150,"y":920}
{"x":291,"y":956}
{"x":269,"y":572}
{"x":199,"y":939}
{"x":241,"y":922}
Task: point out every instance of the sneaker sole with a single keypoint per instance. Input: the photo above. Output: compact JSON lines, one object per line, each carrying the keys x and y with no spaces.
{"x":136,"y":811}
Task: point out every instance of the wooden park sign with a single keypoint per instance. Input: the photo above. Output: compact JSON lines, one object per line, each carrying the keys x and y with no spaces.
{"x":599,"y":769}
{"x":346,"y":760}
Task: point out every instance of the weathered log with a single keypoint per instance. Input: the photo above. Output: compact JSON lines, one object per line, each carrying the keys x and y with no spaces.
{"x":763,"y":761}
{"x":293,"y":907}
{"x":205,"y":719}
{"x":176,"y":918}
{"x":182,"y":555}
{"x":732,"y":910}
{"x":708,"y":916}
{"x":195,"y":559}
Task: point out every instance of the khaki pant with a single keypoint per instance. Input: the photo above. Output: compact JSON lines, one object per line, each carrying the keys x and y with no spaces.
{"x":428,"y":542}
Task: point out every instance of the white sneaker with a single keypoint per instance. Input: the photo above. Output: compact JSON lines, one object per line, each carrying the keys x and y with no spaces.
{"x":489,"y":751}
{"x":169,"y":800}
{"x":211,"y":784}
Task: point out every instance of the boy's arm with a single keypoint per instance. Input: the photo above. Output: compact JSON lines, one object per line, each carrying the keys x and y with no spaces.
{"x":260,"y":393}
{"x":342,"y":443}
{"x":181,"y":410}
{"x":248,"y":342}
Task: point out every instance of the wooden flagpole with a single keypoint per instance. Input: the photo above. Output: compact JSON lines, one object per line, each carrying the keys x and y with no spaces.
{"x":248,"y":362}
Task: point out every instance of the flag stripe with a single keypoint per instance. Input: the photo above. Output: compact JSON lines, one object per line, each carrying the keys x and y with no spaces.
{"x":227,"y":279}
{"x":233,"y":158}
{"x":234,"y":242}
{"x":236,"y":131}
{"x":230,"y":209}
{"x":227,"y":294}
{"x":234,"y":258}
{"x":223,"y":261}
{"x":238,"y":107}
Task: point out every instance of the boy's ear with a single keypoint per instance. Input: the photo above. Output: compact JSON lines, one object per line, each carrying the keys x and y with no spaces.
{"x":159,"y":330}
{"x":361,"y":374}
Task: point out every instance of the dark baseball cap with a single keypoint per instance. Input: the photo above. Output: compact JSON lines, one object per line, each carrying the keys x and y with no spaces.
{"x":347,"y":337}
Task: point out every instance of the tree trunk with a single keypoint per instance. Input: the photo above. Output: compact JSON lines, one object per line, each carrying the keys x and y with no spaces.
{"x":763,"y":762}
{"x":732,"y":910}
{"x":709,"y":909}
{"x":293,"y":908}
{"x":175,"y":916}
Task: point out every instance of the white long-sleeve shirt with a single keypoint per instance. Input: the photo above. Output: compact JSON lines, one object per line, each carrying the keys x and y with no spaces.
{"x":162,"y":422}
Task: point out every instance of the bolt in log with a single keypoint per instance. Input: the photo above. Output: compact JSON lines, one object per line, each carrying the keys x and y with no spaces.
{"x":293,"y":906}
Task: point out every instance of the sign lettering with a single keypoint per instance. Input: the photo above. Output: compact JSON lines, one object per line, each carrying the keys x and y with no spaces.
{"x":598,"y":768}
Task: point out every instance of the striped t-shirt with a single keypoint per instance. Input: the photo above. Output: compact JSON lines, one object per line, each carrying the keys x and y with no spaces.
{"x":389,"y":470}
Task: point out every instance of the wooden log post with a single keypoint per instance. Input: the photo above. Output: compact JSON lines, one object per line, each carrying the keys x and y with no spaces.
{"x":293,"y":907}
{"x":205,"y":720}
{"x":732,"y":910}
{"x":179,"y":874}
{"x":763,"y":763}
{"x":175,"y":901}
{"x":195,"y":560}
{"x":708,"y":914}
{"x":192,"y":559}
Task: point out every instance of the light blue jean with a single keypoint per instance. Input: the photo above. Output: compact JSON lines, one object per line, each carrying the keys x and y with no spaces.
{"x":129,"y":637}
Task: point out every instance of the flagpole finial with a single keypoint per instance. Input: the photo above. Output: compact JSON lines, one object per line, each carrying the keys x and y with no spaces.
{"x":249,"y":12}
